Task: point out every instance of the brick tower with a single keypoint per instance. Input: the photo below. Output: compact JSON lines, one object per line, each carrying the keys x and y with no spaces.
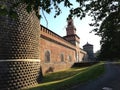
{"x":72,"y":37}
{"x":19,"y":49}
{"x":71,"y":33}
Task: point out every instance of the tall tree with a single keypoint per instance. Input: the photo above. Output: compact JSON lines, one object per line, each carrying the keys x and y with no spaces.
{"x":110,"y":33}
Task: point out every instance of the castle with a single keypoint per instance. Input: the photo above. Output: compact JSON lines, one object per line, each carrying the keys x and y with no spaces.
{"x":59,"y":53}
{"x":26,"y":48}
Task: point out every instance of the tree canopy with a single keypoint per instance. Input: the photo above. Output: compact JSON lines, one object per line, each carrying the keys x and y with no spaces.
{"x":98,"y":9}
{"x":107,"y":11}
{"x":110,"y":33}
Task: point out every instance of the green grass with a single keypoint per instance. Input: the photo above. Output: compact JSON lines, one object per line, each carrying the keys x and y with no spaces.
{"x":61,"y":74}
{"x":65,"y":82}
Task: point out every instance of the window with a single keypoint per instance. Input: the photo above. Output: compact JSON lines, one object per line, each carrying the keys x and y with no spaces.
{"x":69,"y":23}
{"x":69,"y":58}
{"x":62,"y":57}
{"x":47,"y":56}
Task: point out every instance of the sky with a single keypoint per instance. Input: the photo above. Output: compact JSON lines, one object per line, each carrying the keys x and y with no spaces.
{"x":59,"y":24}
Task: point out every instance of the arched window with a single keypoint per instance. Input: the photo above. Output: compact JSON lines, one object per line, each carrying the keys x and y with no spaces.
{"x":62,"y":57}
{"x":47,"y":56}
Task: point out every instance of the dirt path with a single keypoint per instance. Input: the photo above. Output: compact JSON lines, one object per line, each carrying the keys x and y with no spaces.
{"x":109,"y":81}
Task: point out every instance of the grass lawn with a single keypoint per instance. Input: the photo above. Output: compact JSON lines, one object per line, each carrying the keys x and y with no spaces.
{"x":62,"y":74}
{"x":65,"y":79}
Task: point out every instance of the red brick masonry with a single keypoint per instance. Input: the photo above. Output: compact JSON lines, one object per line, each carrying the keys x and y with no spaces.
{"x":57,"y":45}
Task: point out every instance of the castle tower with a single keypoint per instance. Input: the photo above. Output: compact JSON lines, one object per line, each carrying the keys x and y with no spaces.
{"x":72,"y":37}
{"x":19,"y":49}
{"x":71,"y":30}
{"x":71,"y":33}
{"x":89,"y":49}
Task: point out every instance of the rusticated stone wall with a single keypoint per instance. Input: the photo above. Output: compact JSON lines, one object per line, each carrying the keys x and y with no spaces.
{"x":19,"y":49}
{"x":16,"y":75}
{"x":19,"y":37}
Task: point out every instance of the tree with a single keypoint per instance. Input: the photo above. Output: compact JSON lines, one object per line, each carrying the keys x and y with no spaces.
{"x":96,"y":8}
{"x":97,"y":55}
{"x":110,"y":33}
{"x":35,"y":5}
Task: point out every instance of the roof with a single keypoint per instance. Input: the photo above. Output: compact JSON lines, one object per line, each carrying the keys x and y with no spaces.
{"x":87,"y":44}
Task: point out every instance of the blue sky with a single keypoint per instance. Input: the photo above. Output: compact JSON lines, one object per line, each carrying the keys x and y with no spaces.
{"x":58,"y":25}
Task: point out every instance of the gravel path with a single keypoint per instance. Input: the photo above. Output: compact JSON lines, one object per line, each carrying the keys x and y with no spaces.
{"x":109,"y":81}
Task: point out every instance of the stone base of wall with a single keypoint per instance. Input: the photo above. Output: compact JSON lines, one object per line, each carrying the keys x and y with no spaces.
{"x":19,"y":73}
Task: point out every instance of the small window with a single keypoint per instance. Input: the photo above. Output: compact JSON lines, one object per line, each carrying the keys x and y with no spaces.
{"x":69,"y":23}
{"x":47,"y":56}
{"x":69,"y":58}
{"x":62,"y":57}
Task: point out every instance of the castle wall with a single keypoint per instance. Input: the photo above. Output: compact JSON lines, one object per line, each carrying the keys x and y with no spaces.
{"x":56,"y":45}
{"x":19,"y":49}
{"x":82,"y":54}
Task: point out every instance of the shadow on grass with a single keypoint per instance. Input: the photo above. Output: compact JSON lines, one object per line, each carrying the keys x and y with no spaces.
{"x":61,"y":75}
{"x":82,"y":76}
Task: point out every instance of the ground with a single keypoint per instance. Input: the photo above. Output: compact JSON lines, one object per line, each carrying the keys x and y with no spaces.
{"x":108,"y":81}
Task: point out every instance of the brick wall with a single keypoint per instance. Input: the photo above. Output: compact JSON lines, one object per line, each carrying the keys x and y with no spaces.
{"x":82,"y":55}
{"x":56,"y":45}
